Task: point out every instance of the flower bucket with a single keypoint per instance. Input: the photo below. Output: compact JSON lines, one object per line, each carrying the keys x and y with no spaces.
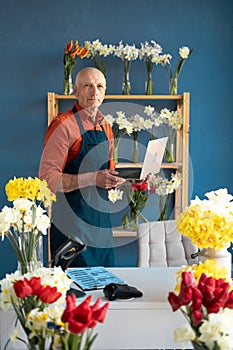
{"x":222,"y":256}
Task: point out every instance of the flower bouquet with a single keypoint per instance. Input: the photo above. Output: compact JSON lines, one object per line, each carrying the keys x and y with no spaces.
{"x":98,"y":52}
{"x":38,"y":300}
{"x":207,"y":304}
{"x":138,"y":124}
{"x":127,"y":53}
{"x":137,"y":195}
{"x":69,"y":60}
{"x":26,"y":222}
{"x":174,"y":121}
{"x":155,"y":119}
{"x":163,"y":188}
{"x":120,"y":126}
{"x":209,"y":224}
{"x":184,"y":53}
{"x":150,"y":54}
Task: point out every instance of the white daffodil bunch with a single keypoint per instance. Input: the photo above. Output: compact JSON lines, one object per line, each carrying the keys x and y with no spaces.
{"x":155,"y":118}
{"x":120,"y":126}
{"x":219,"y":202}
{"x":126,"y":52}
{"x":150,"y":52}
{"x":97,"y":48}
{"x":98,"y":52}
{"x":216,"y":330}
{"x":115,"y":195}
{"x":166,"y":61}
{"x":174,"y":119}
{"x":138,"y":123}
{"x":163,"y":188}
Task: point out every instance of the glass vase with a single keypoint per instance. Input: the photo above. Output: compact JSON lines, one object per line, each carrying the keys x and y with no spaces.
{"x":221,"y":256}
{"x":126,"y":83}
{"x":115,"y":150}
{"x":163,"y":207}
{"x":31,"y":257}
{"x":149,"y":84}
{"x":169,"y":156}
{"x":68,"y":85}
{"x":135,"y":153}
{"x":173,"y":86}
{"x":134,"y":220}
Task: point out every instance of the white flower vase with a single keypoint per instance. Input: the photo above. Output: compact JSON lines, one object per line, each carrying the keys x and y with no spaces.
{"x":221,"y":256}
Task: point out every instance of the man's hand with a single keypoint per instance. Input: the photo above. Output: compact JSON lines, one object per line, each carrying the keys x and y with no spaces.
{"x":103,"y":178}
{"x":108,"y":179}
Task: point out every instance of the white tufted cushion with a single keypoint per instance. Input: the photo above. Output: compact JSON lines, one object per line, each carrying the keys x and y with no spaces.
{"x":160,"y":244}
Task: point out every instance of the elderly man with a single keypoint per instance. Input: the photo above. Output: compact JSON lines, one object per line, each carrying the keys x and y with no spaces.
{"x":78,"y":166}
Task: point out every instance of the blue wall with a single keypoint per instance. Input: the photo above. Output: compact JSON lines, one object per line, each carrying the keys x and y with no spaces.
{"x":32,"y":39}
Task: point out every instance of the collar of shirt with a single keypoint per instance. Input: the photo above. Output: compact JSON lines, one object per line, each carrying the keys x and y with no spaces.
{"x":86,"y":118}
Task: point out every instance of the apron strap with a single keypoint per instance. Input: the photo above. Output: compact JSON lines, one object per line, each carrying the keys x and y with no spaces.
{"x":80,"y":124}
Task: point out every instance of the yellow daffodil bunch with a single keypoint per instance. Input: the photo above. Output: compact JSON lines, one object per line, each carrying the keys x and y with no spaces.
{"x":209,"y":222}
{"x":209,"y":267}
{"x":26,"y":221}
{"x":33,"y":189}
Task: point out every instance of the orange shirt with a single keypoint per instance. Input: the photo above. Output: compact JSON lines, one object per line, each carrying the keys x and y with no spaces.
{"x":63,"y":142}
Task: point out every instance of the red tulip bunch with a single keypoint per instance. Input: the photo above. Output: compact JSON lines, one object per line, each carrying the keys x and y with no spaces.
{"x":137,"y":195}
{"x":208,"y":296}
{"x":81,"y":319}
{"x":37,"y":292}
{"x":32,"y":295}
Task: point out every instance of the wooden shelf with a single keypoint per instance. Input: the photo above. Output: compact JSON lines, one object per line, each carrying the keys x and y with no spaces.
{"x":182,"y":143}
{"x":120,"y":232}
{"x":124,"y":165}
{"x":126,"y":97}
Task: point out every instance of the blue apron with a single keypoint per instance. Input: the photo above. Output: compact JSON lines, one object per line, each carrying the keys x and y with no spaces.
{"x":83,"y":214}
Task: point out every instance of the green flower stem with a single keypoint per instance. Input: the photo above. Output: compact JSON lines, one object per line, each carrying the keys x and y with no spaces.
{"x":169,"y":156}
{"x":100,"y":64}
{"x":163,"y":208}
{"x":126,"y":83}
{"x":149,"y":83}
{"x":174,"y":86}
{"x":115,"y":149}
{"x":135,"y":154}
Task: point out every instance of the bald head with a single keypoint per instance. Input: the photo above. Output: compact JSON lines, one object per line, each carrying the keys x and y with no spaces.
{"x":89,"y":88}
{"x":87,"y":72}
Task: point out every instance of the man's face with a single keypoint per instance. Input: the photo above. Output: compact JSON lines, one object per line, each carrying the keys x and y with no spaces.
{"x":90,"y":88}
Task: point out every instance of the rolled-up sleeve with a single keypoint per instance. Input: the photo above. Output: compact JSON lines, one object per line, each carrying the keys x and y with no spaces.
{"x":55,"y":153}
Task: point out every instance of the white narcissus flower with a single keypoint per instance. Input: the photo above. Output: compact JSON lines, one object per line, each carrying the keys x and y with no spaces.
{"x":184,"y":52}
{"x":4,"y":223}
{"x":22,"y":204}
{"x":15,"y":335}
{"x":8,"y":293}
{"x":137,"y":122}
{"x":109,"y":119}
{"x":184,"y":334}
{"x":126,"y":52}
{"x":217,"y":328}
{"x":149,"y":110}
{"x":148,"y":124}
{"x":114,"y":195}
